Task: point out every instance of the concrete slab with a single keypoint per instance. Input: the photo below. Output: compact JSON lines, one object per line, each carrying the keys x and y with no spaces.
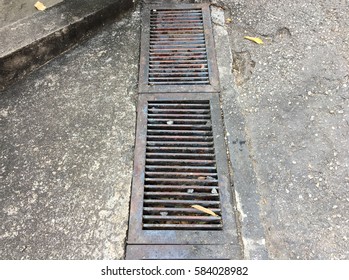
{"x":67,"y":137}
{"x":11,"y":11}
{"x":32,"y":41}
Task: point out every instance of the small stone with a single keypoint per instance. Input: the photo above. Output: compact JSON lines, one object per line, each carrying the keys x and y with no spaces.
{"x":312,"y":118}
{"x":163,"y":213}
{"x":190,"y":190}
{"x":170,"y":122}
{"x":287,"y":191}
{"x":294,"y":162}
{"x":335,"y":206}
{"x":214,"y":191}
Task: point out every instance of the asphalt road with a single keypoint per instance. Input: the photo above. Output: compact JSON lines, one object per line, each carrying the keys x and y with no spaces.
{"x":294,"y":94}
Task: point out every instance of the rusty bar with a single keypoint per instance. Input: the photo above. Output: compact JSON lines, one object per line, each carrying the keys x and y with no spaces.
{"x":183,"y":226}
{"x":177,"y":210}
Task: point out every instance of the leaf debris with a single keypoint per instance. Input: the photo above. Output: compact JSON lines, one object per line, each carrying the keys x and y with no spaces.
{"x":257,"y":40}
{"x":205,"y":210}
{"x":40,"y":6}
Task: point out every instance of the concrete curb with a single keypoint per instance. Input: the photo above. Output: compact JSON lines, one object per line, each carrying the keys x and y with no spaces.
{"x":31,"y":42}
{"x":243,"y":175}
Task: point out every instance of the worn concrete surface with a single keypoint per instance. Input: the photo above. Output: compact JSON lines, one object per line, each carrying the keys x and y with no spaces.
{"x":293,"y":92}
{"x":11,"y":11}
{"x":34,"y":40}
{"x":67,"y":136}
{"x":250,"y":229}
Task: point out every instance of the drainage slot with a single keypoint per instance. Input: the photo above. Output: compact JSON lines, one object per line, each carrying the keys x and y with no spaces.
{"x":180,"y":167}
{"x":177,"y":51}
{"x":177,"y":38}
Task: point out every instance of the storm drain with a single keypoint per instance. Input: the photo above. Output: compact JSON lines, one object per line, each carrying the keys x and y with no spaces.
{"x":180,"y":166}
{"x":181,"y":204}
{"x":177,"y":50}
{"x":180,"y":190}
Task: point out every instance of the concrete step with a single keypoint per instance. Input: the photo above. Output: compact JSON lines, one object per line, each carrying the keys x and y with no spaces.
{"x":30,"y":42}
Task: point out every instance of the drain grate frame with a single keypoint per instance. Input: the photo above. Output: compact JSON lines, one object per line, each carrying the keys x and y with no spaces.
{"x":202,"y":60}
{"x":137,"y":234}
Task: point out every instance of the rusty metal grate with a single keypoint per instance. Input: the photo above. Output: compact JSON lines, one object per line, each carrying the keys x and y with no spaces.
{"x":180,"y":168}
{"x":177,"y":50}
{"x":180,"y":156}
{"x":180,"y":161}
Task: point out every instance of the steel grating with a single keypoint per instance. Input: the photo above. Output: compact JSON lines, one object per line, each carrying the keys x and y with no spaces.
{"x":180,"y":168}
{"x":180,"y":161}
{"x":177,"y":50}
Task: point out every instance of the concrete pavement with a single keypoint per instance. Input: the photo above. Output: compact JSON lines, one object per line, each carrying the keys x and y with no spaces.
{"x":67,"y":136}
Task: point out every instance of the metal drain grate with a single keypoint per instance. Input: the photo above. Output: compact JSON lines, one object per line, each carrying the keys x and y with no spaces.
{"x":180,"y":168}
{"x":177,"y":50}
{"x":180,"y":161}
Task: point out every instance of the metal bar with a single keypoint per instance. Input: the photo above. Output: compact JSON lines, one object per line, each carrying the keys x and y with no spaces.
{"x":177,"y":210}
{"x":186,"y":181}
{"x":173,"y":168}
{"x":206,"y":203}
{"x":183,"y":226}
{"x":181,"y":187}
{"x":182,"y":218}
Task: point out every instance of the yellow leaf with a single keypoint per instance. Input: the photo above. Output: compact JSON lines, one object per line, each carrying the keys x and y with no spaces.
{"x":40,"y":6}
{"x":205,"y":210}
{"x":228,"y":20}
{"x":254,"y":39}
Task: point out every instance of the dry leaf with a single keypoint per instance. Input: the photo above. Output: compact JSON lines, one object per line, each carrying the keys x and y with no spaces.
{"x":228,"y":20}
{"x":205,"y":210}
{"x":255,"y":39}
{"x":40,"y":6}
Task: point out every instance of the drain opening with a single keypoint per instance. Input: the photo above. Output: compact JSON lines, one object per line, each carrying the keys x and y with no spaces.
{"x":180,"y":167}
{"x":177,"y":51}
